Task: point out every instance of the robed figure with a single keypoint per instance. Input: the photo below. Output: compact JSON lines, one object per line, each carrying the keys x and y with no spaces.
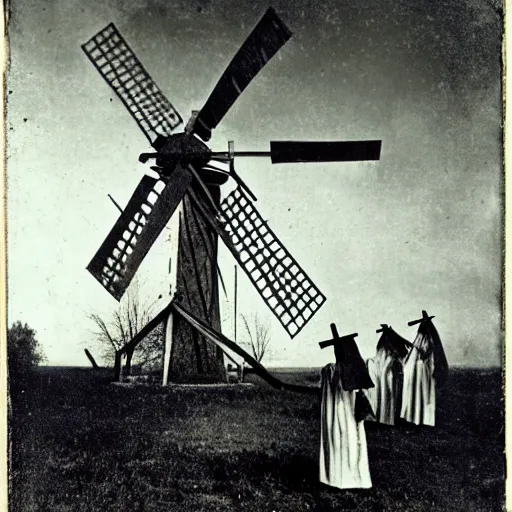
{"x":386,"y":371}
{"x":343,"y":451}
{"x":425,"y":370}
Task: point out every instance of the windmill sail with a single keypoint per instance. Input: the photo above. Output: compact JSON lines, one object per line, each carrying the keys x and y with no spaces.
{"x":143,"y":219}
{"x":332,"y":151}
{"x":269,"y":35}
{"x":284,"y":286}
{"x":120,"y":68}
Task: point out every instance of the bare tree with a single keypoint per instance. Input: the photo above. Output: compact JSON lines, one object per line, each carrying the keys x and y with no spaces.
{"x":258,"y":332}
{"x":114,"y":335}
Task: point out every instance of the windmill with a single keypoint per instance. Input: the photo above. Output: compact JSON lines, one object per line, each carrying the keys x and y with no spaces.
{"x":190,"y":174}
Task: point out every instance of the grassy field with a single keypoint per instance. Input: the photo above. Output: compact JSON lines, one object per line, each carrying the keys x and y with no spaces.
{"x":82,"y":444}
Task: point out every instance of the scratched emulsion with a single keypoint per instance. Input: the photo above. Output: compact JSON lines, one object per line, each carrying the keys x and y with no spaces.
{"x":420,"y":229}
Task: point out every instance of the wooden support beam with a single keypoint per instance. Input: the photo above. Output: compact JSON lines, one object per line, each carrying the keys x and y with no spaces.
{"x":225,"y":343}
{"x":167,"y":348}
{"x":160,"y":317}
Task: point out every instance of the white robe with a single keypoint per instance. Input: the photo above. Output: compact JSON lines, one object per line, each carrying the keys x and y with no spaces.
{"x":343,"y":450}
{"x":383,"y":398}
{"x":419,"y":391}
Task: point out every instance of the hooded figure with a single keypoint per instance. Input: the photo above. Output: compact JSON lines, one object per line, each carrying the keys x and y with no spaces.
{"x":425,"y":369}
{"x":386,"y":370}
{"x":343,"y":451}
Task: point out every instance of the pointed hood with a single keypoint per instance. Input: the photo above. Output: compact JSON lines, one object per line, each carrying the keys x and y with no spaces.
{"x":394,"y":343}
{"x":353,"y":372}
{"x":428,"y":341}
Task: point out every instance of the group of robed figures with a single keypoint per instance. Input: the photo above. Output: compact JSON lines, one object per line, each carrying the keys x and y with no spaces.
{"x":398,"y":383}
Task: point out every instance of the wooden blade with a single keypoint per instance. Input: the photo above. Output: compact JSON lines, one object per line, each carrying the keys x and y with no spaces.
{"x":144,"y":218}
{"x":293,"y":151}
{"x":120,"y":68}
{"x":265,"y":40}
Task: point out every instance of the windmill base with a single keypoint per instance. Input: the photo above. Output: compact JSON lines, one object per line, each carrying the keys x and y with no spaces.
{"x":192,"y":358}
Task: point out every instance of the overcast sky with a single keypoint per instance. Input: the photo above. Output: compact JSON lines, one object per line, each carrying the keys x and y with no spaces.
{"x":420,"y":229}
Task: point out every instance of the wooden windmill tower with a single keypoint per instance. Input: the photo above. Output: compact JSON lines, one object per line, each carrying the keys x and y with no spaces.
{"x":191,"y":174}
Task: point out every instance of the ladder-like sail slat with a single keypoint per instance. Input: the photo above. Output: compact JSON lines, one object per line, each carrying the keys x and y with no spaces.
{"x":120,"y":68}
{"x":281,"y":282}
{"x":147,"y":213}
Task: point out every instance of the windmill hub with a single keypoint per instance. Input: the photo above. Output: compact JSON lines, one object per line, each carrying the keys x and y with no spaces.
{"x":183,"y":149}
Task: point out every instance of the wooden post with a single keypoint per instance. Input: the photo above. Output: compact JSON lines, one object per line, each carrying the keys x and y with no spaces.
{"x":91,"y":359}
{"x":235,"y":313}
{"x":167,"y":349}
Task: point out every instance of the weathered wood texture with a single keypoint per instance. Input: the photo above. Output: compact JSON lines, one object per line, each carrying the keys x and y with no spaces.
{"x":193,"y":357}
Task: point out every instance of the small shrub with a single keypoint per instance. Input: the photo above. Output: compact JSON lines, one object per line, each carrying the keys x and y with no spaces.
{"x":24,"y":352}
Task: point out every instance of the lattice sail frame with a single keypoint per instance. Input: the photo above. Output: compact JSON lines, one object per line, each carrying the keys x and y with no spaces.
{"x":120,"y":68}
{"x":147,"y":213}
{"x":109,"y":264}
{"x":282,"y":283}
